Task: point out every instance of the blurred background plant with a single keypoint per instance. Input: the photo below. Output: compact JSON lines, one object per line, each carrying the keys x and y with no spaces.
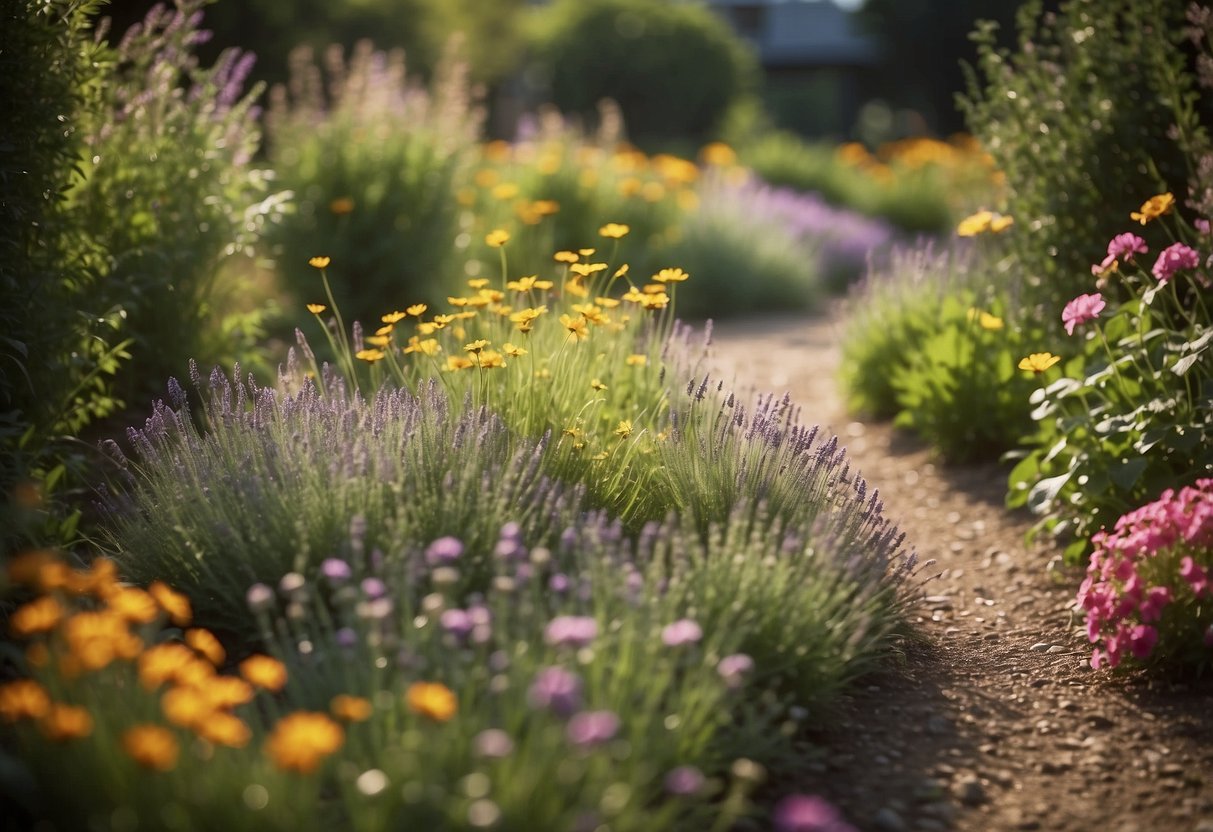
{"x":372,"y":158}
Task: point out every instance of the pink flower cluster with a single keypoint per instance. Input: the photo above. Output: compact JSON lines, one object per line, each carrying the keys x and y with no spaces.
{"x":1145,"y":566}
{"x":1173,"y":258}
{"x":1082,"y":309}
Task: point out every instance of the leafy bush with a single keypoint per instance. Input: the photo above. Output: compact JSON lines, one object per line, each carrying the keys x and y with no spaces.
{"x":640,"y":55}
{"x":1131,"y":415}
{"x":1079,"y":120}
{"x":167,"y":190}
{"x":373,"y":161}
{"x":1148,"y":583}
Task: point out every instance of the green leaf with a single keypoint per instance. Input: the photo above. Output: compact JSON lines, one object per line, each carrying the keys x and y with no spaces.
{"x":1045,"y":491}
{"x":1126,"y":475}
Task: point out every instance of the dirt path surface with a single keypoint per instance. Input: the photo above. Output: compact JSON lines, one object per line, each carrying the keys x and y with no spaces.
{"x":994,"y":720}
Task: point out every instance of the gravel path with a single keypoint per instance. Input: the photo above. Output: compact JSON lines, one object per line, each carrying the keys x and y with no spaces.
{"x":994,"y":719}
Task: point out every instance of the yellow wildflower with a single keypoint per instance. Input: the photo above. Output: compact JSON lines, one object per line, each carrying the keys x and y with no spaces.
{"x":458,"y":362}
{"x":575,"y":326}
{"x":151,"y":746}
{"x":379,"y":340}
{"x":1038,"y":362}
{"x":370,"y":355}
{"x":655,"y":300}
{"x":478,"y":282}
{"x":985,"y":320}
{"x":607,"y":303}
{"x":226,"y":692}
{"x":476,"y":346}
{"x":497,"y":238}
{"x":432,"y":700}
{"x":636,"y":360}
{"x":587,"y":269}
{"x":718,"y":154}
{"x":1001,"y":223}
{"x":523,"y":284}
{"x":596,"y":384}
{"x":417,"y":310}
{"x":513,"y":351}
{"x":975,"y":224}
{"x":162,"y":662}
{"x":506,"y":190}
{"x":458,"y":302}
{"x":586,"y":252}
{"x":185,"y":707}
{"x":38,"y":616}
{"x":204,"y":642}
{"x":576,"y":288}
{"x":428,"y":346}
{"x":66,"y":722}
{"x":621,"y":271}
{"x":264,"y":672}
{"x":1154,"y":207}
{"x":174,"y":603}
{"x":442,"y":320}
{"x":23,"y":699}
{"x":397,"y":316}
{"x":566,"y":257}
{"x":137,"y":606}
{"x":491,"y":359}
{"x":614,"y":230}
{"x":671,"y":276}
{"x":350,"y":708}
{"x":301,"y":740}
{"x":319,"y":262}
{"x":624,"y":429}
{"x":222,"y":728}
{"x":316,"y":308}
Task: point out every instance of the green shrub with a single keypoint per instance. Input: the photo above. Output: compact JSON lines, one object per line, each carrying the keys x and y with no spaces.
{"x":675,"y":69}
{"x":1079,"y":119}
{"x":373,"y":162}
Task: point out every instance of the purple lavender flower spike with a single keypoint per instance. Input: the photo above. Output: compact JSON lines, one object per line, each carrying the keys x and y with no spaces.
{"x":557,"y":690}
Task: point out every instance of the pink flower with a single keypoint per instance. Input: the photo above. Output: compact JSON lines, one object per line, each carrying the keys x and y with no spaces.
{"x":1173,"y":258}
{"x":1195,"y":575}
{"x":1156,"y":599}
{"x":1142,"y":639}
{"x":1126,"y":245}
{"x":1082,"y":309}
{"x":1202,"y":225}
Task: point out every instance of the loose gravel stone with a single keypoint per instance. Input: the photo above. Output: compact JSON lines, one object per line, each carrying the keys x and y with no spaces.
{"x":887,"y":820}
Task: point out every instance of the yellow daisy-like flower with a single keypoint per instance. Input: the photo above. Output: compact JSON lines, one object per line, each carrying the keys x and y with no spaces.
{"x":575,"y":326}
{"x":624,"y":429}
{"x":566,"y":257}
{"x":607,"y":303}
{"x":576,"y":288}
{"x":476,"y":346}
{"x":1038,"y":362}
{"x":442,"y":320}
{"x":174,"y":603}
{"x":417,"y":309}
{"x":513,"y":351}
{"x":204,"y":642}
{"x":718,"y":154}
{"x":38,"y":616}
{"x":671,"y":276}
{"x":264,"y":672}
{"x":397,"y":316}
{"x":370,"y":355}
{"x":478,"y":282}
{"x":319,"y":262}
{"x":655,"y":300}
{"x":350,"y":708}
{"x":151,"y":746}
{"x":636,"y":360}
{"x":491,"y":360}
{"x":523,"y":284}
{"x":586,"y":252}
{"x":66,"y":722}
{"x":597,"y":385}
{"x":497,"y":238}
{"x":222,"y":728}
{"x":975,"y":224}
{"x":432,"y":700}
{"x":427,"y":346}
{"x":985,"y":320}
{"x":23,"y":699}
{"x":300,"y":741}
{"x":379,"y":340}
{"x":587,"y":269}
{"x":316,"y":308}
{"x":1154,"y":207}
{"x":1000,"y":223}
{"x":614,"y":230}
{"x":458,"y":362}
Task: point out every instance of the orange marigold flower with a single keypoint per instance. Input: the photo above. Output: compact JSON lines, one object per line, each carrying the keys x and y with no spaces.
{"x":38,"y":616}
{"x":163,"y":663}
{"x":174,"y":603}
{"x":226,"y":691}
{"x":1154,"y":207}
{"x":264,"y":672}
{"x":64,"y":722}
{"x":204,"y":642}
{"x":151,"y":746}
{"x":301,"y":740}
{"x":26,"y":568}
{"x":221,"y":728}
{"x":23,"y":699}
{"x":134,"y":605}
{"x":95,"y":639}
{"x":350,"y":708}
{"x":185,"y":707}
{"x":432,"y":700}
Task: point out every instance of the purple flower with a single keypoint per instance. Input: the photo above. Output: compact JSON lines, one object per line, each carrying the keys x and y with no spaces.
{"x":1173,"y":258}
{"x":444,"y":550}
{"x":335,"y":570}
{"x":591,"y":728}
{"x":733,"y":669}
{"x":684,"y":781}
{"x":571,"y":631}
{"x":559,"y":583}
{"x":681,"y":632}
{"x":374,"y":588}
{"x":346,"y":637}
{"x":1082,"y":309}
{"x":557,"y":690}
{"x":260,"y":597}
{"x":808,"y":813}
{"x":456,"y":622}
{"x":493,"y":743}
{"x":1124,"y":246}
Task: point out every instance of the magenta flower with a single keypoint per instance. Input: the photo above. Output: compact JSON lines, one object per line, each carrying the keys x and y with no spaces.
{"x":1124,"y":246}
{"x":336,"y":570}
{"x":1142,"y":639}
{"x":557,"y":690}
{"x":592,"y":728}
{"x":808,"y":813}
{"x":684,"y":781}
{"x":444,"y":551}
{"x":571,"y":631}
{"x":681,"y":632}
{"x":733,"y":669}
{"x":456,"y":622}
{"x":1173,"y":258}
{"x":1082,"y":309}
